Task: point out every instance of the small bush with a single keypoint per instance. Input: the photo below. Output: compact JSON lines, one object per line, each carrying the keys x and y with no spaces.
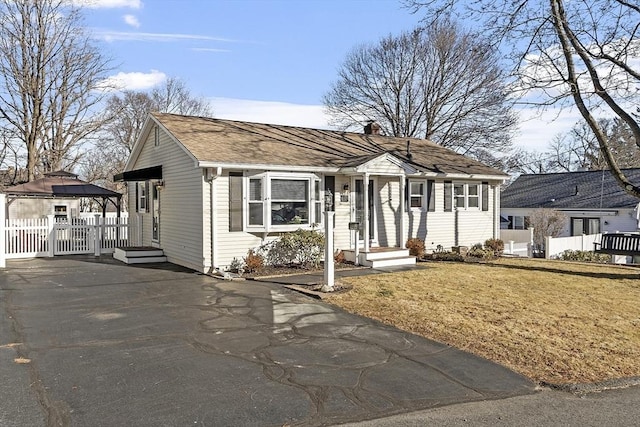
{"x":416,"y":247}
{"x":585,"y":256}
{"x":236,"y":266}
{"x":446,"y":256}
{"x":303,"y":248}
{"x":478,"y":252}
{"x":253,"y":261}
{"x":495,"y":245}
{"x":339,"y":258}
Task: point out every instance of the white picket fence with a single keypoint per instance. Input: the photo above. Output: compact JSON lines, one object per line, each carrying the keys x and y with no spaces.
{"x":46,"y":237}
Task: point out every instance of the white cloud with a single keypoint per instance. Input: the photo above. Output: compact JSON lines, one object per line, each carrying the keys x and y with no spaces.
{"x":272,"y":112}
{"x":108,"y":4}
{"x":152,"y":37}
{"x":133,"y":81}
{"x":208,"y":49}
{"x":537,"y":129}
{"x":131,"y":20}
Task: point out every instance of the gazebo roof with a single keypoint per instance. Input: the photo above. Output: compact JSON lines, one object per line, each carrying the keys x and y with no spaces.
{"x":60,"y":184}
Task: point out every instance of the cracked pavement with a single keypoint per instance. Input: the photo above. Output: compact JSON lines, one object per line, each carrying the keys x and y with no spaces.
{"x":86,"y":341}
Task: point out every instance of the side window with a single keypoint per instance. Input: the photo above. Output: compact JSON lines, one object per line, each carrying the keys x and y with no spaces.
{"x":256,"y":203}
{"x":416,"y":194}
{"x":142,"y":197}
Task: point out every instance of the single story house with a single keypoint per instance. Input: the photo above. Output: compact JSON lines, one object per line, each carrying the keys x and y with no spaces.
{"x":592,"y":201}
{"x":208,"y":190}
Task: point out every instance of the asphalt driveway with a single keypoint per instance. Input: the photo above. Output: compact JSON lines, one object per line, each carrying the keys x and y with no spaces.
{"x":87,"y":341}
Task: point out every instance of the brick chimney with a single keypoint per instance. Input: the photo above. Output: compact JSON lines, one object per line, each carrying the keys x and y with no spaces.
{"x":372,"y":128}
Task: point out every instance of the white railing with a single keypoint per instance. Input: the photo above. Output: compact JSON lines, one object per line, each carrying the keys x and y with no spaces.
{"x":555,"y":246}
{"x":517,"y":242}
{"x":46,"y":237}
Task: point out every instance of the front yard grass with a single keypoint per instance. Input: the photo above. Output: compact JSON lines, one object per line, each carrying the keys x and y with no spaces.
{"x":552,"y":321}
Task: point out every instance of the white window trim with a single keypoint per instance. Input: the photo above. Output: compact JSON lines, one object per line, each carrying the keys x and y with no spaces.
{"x":423,"y":205}
{"x":142,"y":196}
{"x":466,"y":195}
{"x":266,"y":178}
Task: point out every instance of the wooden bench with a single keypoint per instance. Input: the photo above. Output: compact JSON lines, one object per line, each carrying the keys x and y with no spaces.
{"x":618,"y":244}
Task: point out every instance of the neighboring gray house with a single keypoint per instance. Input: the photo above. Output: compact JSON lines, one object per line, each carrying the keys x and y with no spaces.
{"x":208,"y":190}
{"x":592,"y":201}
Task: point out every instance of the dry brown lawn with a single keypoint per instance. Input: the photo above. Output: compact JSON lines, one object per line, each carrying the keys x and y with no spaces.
{"x":553,"y":321}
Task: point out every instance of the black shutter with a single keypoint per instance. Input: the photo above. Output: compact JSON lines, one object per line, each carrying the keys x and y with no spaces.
{"x":431,"y":195}
{"x":448,"y":196}
{"x":235,"y":201}
{"x":147,"y":197}
{"x":485,"y":196}
{"x":137,"y":196}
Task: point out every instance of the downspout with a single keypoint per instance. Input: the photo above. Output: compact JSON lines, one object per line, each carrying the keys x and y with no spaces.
{"x":401,"y":219}
{"x":212,"y":176}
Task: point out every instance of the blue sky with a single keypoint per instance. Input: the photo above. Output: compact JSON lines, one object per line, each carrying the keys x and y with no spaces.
{"x":258,"y":60}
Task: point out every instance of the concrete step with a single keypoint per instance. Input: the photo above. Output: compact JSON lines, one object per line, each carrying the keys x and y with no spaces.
{"x":139,"y":255}
{"x":391,"y":262}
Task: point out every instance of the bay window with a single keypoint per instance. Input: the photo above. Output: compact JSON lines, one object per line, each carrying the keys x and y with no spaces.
{"x":282,"y":201}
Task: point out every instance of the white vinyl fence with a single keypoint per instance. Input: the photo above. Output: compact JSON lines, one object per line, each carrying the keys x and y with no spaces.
{"x":555,"y":246}
{"x":46,"y":237}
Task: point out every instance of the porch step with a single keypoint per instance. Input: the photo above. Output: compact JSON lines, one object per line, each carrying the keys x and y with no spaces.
{"x":390,"y":262}
{"x":381,"y":257}
{"x":139,"y":255}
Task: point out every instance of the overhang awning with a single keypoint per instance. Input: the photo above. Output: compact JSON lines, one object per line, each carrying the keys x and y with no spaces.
{"x":145,"y":174}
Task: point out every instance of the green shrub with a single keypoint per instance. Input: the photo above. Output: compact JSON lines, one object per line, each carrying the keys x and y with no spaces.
{"x":445,"y":256}
{"x":478,"y":252}
{"x":236,"y":265}
{"x":302,"y":248}
{"x":416,"y":247}
{"x":585,"y":256}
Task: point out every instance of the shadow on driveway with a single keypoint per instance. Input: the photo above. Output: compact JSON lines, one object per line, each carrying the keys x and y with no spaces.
{"x":103,"y":343}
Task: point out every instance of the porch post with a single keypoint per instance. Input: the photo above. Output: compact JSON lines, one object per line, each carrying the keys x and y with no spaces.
{"x":3,"y":237}
{"x":401,"y":219}
{"x":329,"y":268}
{"x":367,"y":224}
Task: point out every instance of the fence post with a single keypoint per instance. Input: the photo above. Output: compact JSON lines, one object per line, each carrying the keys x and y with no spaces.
{"x":3,"y":236}
{"x":97,"y":243}
{"x":547,"y":247}
{"x":329,"y":269}
{"x":51,"y":221}
{"x":511,"y":242}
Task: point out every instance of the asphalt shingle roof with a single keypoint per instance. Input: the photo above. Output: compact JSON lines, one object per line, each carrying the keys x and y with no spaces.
{"x":571,"y":190}
{"x":235,"y":142}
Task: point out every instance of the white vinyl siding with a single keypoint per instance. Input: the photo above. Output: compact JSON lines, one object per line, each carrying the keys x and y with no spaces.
{"x":439,"y":227}
{"x":184,"y":236}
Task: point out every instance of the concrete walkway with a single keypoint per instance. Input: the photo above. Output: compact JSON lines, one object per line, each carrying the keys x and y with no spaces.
{"x":87,"y":341}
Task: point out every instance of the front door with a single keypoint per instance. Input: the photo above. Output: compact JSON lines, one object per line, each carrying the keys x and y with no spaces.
{"x":359,"y":208}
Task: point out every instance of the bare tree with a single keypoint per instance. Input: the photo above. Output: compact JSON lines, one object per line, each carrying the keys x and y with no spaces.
{"x":173,"y":96}
{"x":49,"y":73}
{"x":127,"y":113}
{"x":546,"y":222}
{"x":566,"y":52}
{"x":439,"y":83}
